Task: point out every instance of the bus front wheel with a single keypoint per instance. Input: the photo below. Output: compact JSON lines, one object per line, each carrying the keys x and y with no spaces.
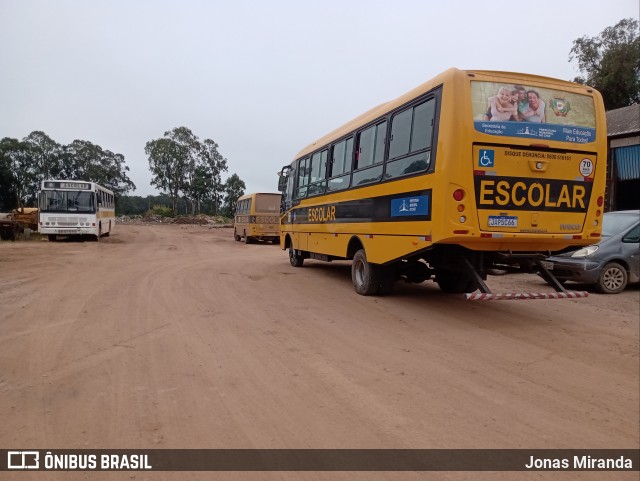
{"x":295,"y":258}
{"x":52,"y":237}
{"x":366,"y":277}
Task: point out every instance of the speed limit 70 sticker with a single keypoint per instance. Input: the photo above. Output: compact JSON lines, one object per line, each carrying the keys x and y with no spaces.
{"x":586,"y":167}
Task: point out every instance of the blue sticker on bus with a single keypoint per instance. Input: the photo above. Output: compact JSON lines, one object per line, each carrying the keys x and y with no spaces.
{"x":408,"y":206}
{"x":564,"y":133}
{"x":486,"y":158}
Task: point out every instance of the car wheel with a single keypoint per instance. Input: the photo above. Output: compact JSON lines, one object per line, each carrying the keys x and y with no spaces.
{"x":613,"y":279}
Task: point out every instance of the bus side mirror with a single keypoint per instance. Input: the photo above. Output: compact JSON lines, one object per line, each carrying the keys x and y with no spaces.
{"x":282,"y":183}
{"x":283,"y":175}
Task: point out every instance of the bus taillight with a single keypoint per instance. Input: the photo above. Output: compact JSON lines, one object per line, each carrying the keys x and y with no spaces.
{"x":458,"y":194}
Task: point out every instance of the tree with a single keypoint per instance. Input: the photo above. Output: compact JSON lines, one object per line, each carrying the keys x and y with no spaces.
{"x":45,"y":159}
{"x":214,"y":164}
{"x":181,"y":163}
{"x":168,"y":163}
{"x":38,"y":157}
{"x":16,"y":157}
{"x":8,"y":193}
{"x":84,"y":160}
{"x":611,"y":63}
{"x":233,"y":190}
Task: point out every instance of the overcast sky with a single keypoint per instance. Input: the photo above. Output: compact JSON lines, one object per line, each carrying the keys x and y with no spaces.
{"x":261,"y":78}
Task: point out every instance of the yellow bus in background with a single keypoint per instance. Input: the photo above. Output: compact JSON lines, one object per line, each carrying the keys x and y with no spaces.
{"x":257,"y":218}
{"x":468,"y":172}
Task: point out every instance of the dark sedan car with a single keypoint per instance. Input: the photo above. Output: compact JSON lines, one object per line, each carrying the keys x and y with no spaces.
{"x":612,"y":263}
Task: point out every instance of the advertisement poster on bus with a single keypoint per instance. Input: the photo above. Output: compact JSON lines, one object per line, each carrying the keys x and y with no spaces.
{"x":532,"y":112}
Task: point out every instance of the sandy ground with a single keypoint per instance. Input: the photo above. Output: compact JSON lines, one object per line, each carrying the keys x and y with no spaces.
{"x":168,"y":336}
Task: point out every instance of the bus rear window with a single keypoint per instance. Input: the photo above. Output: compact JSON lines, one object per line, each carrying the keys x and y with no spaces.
{"x":268,"y":203}
{"x":514,"y":110}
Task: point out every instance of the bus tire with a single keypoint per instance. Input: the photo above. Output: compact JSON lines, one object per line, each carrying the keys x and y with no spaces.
{"x":295,"y":258}
{"x":236,"y":237}
{"x":454,"y":282}
{"x":247,"y":239}
{"x":365,"y":276}
{"x":52,"y":237}
{"x":108,"y":233}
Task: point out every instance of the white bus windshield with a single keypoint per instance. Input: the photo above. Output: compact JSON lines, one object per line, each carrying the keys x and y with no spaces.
{"x":67,"y":201}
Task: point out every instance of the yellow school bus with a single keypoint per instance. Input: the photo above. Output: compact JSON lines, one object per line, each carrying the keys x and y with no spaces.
{"x":469,"y":171}
{"x":257,"y":218}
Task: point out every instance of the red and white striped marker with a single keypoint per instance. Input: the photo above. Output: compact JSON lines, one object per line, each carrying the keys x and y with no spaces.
{"x":480,"y":296}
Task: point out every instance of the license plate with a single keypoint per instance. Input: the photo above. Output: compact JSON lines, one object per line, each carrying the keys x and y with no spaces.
{"x":547,"y":265}
{"x":503,"y":221}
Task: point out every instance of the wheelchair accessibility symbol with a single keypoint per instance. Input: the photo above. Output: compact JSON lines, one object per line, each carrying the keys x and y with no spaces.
{"x":486,"y":158}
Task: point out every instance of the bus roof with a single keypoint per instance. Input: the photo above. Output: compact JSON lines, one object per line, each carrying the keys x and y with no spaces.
{"x":445,"y":76}
{"x":248,"y":196}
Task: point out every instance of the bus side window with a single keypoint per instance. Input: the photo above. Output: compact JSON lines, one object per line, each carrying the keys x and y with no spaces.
{"x":318,"y":170}
{"x":410,"y":144}
{"x":340,"y":165}
{"x":303,"y":178}
{"x":369,"y":155}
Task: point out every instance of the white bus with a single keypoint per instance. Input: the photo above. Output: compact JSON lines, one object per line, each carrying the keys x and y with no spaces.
{"x":75,"y":208}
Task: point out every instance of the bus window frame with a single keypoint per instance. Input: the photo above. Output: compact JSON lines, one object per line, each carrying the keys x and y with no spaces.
{"x":434,"y":94}
{"x":323,"y":171}
{"x":435,"y":118}
{"x":357,"y":147}
{"x":348,"y":162}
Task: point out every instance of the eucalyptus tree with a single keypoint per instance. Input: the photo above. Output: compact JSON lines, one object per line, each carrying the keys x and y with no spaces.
{"x":610,"y":63}
{"x":84,"y":160}
{"x":182,"y":164}
{"x":233,"y":189}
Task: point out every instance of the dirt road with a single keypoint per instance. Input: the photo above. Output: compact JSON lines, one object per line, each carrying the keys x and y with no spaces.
{"x":178,"y":337}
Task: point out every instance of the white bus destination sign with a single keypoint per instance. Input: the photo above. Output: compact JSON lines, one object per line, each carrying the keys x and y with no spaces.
{"x":68,"y":185}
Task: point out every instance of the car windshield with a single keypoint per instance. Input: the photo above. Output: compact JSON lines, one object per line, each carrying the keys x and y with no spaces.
{"x":613,"y":223}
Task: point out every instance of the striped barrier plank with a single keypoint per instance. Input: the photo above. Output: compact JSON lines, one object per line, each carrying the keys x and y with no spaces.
{"x":480,"y":296}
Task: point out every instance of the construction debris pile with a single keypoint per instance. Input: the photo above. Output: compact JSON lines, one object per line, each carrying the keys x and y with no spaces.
{"x":201,"y":219}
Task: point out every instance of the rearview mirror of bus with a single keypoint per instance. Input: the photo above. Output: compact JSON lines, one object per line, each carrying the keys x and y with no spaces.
{"x":282,"y":183}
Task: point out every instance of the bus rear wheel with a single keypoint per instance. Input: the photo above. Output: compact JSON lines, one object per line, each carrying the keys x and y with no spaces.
{"x":236,"y":237}
{"x":366,"y":277}
{"x":52,"y":237}
{"x":295,"y":258}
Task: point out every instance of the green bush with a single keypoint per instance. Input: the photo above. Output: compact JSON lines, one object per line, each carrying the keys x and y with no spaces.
{"x":161,"y":210}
